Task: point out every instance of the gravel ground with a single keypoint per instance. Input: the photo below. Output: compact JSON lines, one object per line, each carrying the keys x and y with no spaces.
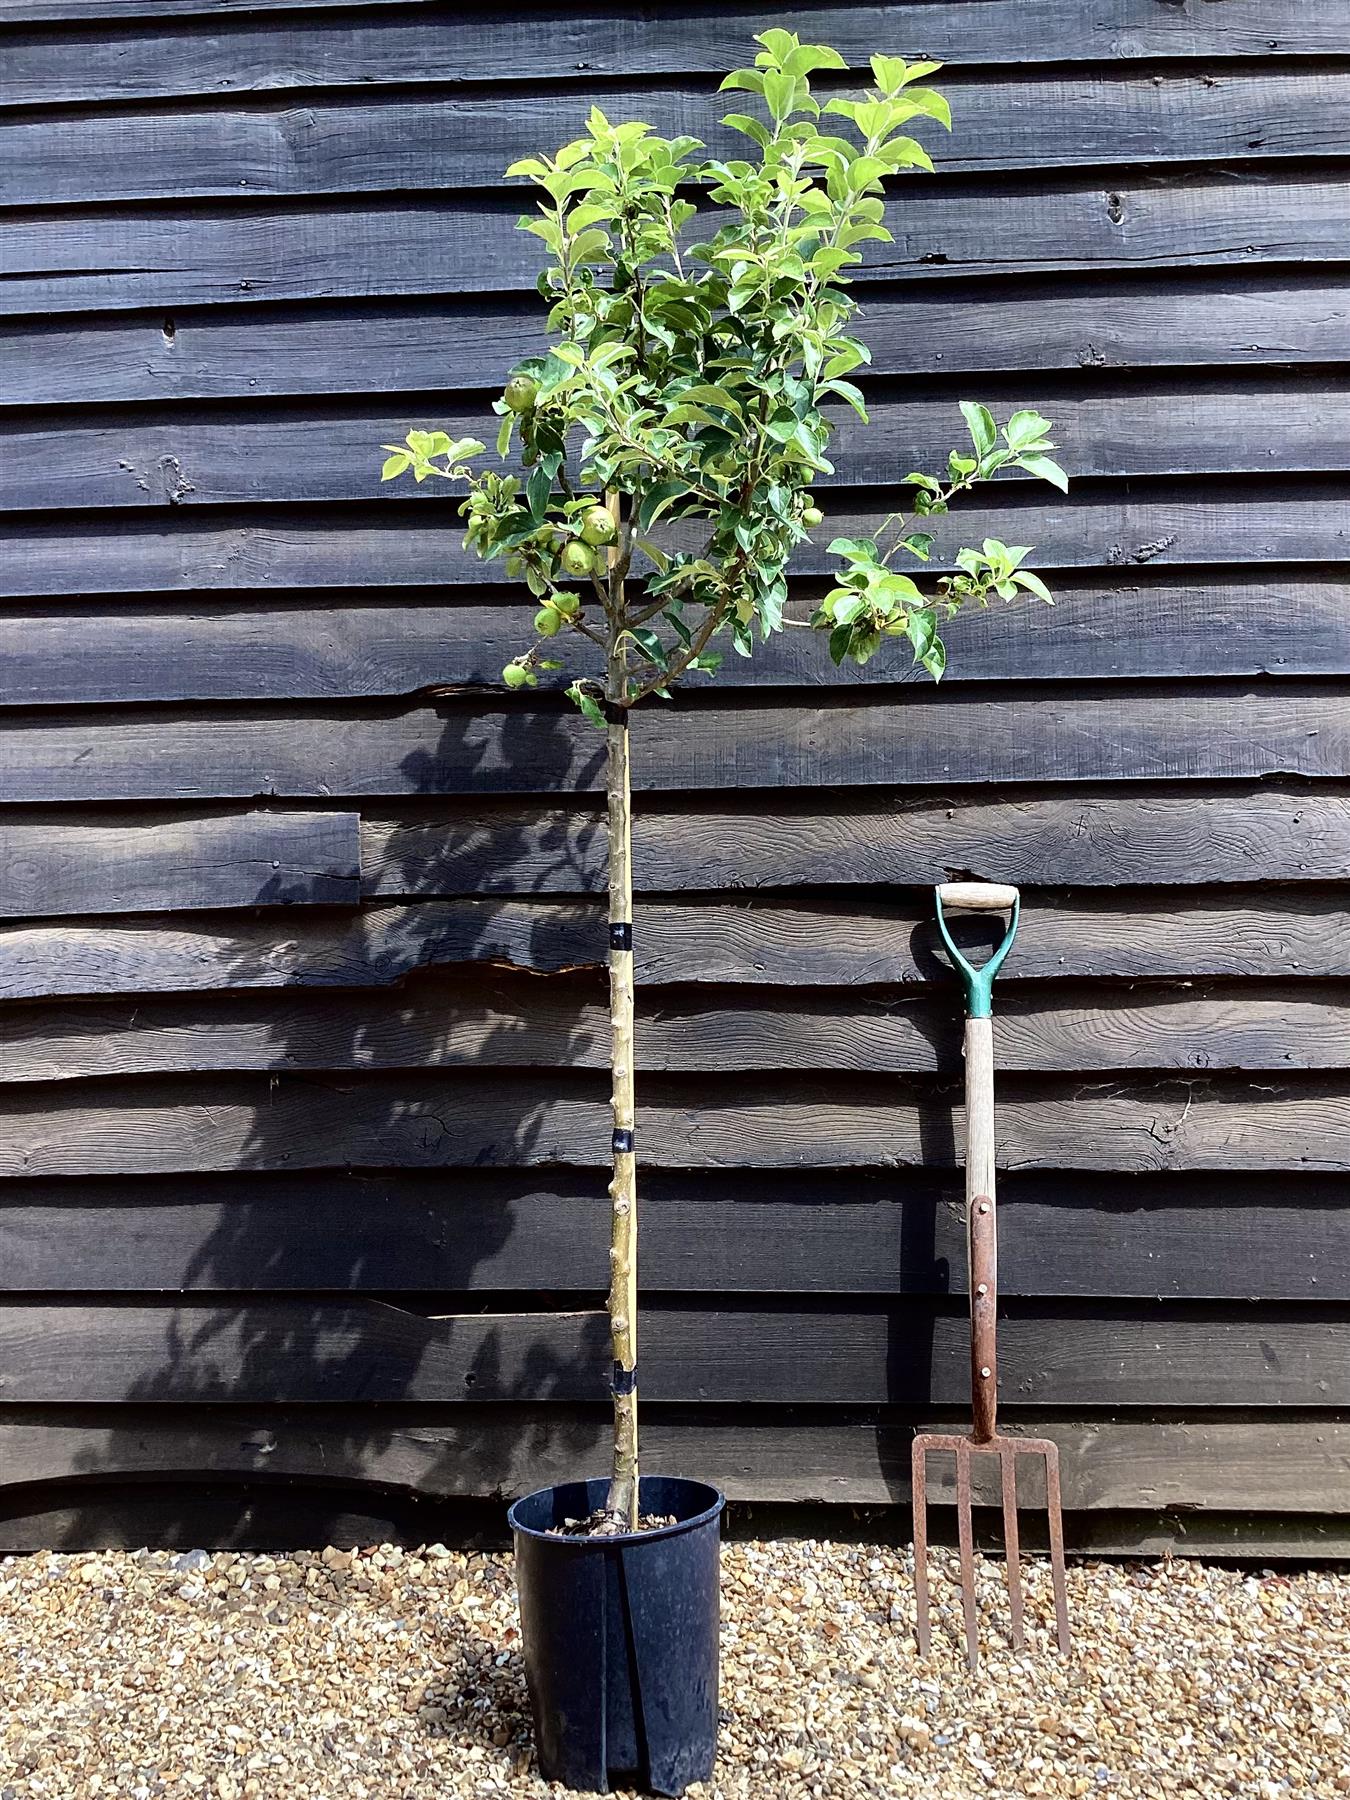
{"x":384,"y":1675}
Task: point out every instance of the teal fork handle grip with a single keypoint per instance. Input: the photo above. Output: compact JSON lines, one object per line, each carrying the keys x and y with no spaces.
{"x":979,"y":983}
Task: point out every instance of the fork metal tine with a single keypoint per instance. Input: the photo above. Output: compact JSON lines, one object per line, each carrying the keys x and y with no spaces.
{"x":919,"y":1490}
{"x":965,"y":1533}
{"x":1056,"y":1522}
{"x":1007,"y":1463}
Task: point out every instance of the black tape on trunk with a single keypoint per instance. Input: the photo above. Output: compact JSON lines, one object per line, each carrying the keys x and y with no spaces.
{"x":621,"y":1143}
{"x":623,"y":1381}
{"x":614,"y":713}
{"x":621,"y":937}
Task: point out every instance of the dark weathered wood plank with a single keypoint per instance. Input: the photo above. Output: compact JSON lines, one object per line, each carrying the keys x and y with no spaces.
{"x":225,"y":457}
{"x":390,"y":347}
{"x":394,"y":544}
{"x":1295,"y":1466}
{"x":452,"y":747}
{"x":857,"y":942}
{"x":1280,"y":625}
{"x":323,"y":1350}
{"x":249,"y":859}
{"x":394,"y":144}
{"x":477,"y":1232}
{"x":413,"y":1120}
{"x":174,"y":55}
{"x":60,"y":262}
{"x":451,"y":1023}
{"x":1092,"y":838}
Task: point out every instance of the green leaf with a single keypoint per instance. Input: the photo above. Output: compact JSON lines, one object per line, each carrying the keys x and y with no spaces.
{"x":397,"y":464}
{"x":935,"y":659}
{"x":1046,"y":469}
{"x":918,"y":543}
{"x":920,"y":629}
{"x":980,"y":421}
{"x":864,"y":549}
{"x":655,"y":501}
{"x":589,"y":707}
{"x":537,"y":490}
{"x":1034,"y":585}
{"x":1025,"y":429}
{"x":840,"y":639}
{"x":750,"y":81}
{"x":751,"y":128}
{"x":650,"y":645}
{"x":847,"y":391}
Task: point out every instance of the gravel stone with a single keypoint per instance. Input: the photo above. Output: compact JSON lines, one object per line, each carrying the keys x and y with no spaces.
{"x":388,"y":1675}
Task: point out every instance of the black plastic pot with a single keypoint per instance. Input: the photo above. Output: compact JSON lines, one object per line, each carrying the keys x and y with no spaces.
{"x":620,"y":1637}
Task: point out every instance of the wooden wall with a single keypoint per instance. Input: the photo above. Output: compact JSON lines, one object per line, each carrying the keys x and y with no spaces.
{"x":301,"y":1014}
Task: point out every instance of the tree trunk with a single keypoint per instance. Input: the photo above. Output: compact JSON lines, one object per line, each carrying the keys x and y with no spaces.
{"x":623,"y":1488}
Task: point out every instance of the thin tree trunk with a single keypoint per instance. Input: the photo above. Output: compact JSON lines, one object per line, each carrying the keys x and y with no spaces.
{"x":623,"y":1488}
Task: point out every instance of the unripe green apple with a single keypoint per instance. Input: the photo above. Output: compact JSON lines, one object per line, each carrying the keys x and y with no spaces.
{"x":521,"y":393}
{"x":576,"y":558}
{"x":548,"y":621}
{"x":514,"y":676}
{"x":812,"y":516}
{"x":597,"y":526}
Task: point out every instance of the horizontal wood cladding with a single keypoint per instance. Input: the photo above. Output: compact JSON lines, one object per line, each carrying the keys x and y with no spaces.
{"x":276,"y":1350}
{"x":182,"y":1125}
{"x":482,"y":1232}
{"x":1091,"y":837}
{"x":249,"y":859}
{"x":161,"y":48}
{"x":410,"y":545}
{"x":1281,"y":625}
{"x":303,"y":1131}
{"x":810,"y":944}
{"x":1295,"y":1465}
{"x":395,"y":144}
{"x":1197,"y":319}
{"x":228,"y":457}
{"x":69,"y":261}
{"x":451,"y":747}
{"x":449,"y":1023}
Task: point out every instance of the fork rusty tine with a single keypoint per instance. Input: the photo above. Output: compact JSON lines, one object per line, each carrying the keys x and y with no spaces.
{"x":1007,"y":1462}
{"x":964,"y":1534}
{"x":1056,"y":1525}
{"x":919,"y":1487}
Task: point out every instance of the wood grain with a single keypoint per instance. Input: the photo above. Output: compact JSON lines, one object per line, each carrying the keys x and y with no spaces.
{"x":392,"y":144}
{"x":1093,"y":837}
{"x":815,"y":943}
{"x":221,"y":860}
{"x":407,"y":545}
{"x":178,"y":1125}
{"x":287,"y":1351}
{"x":131,"y":57}
{"x":100,"y":656}
{"x":1199,"y":319}
{"x":223,"y":456}
{"x":448,"y":1024}
{"x":813,"y":1232}
{"x":450,"y":747}
{"x":1293,"y":1466}
{"x":124,"y":257}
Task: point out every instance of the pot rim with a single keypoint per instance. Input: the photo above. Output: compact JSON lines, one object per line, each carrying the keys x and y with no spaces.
{"x":617,"y":1539}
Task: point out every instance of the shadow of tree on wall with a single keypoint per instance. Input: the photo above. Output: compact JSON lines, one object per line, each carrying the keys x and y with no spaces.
{"x":361,"y":1324}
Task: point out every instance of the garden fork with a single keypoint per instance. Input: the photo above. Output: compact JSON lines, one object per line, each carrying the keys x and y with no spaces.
{"x":982,"y":1272}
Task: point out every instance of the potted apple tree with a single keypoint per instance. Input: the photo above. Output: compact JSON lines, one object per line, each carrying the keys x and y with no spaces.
{"x":657,"y":464}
